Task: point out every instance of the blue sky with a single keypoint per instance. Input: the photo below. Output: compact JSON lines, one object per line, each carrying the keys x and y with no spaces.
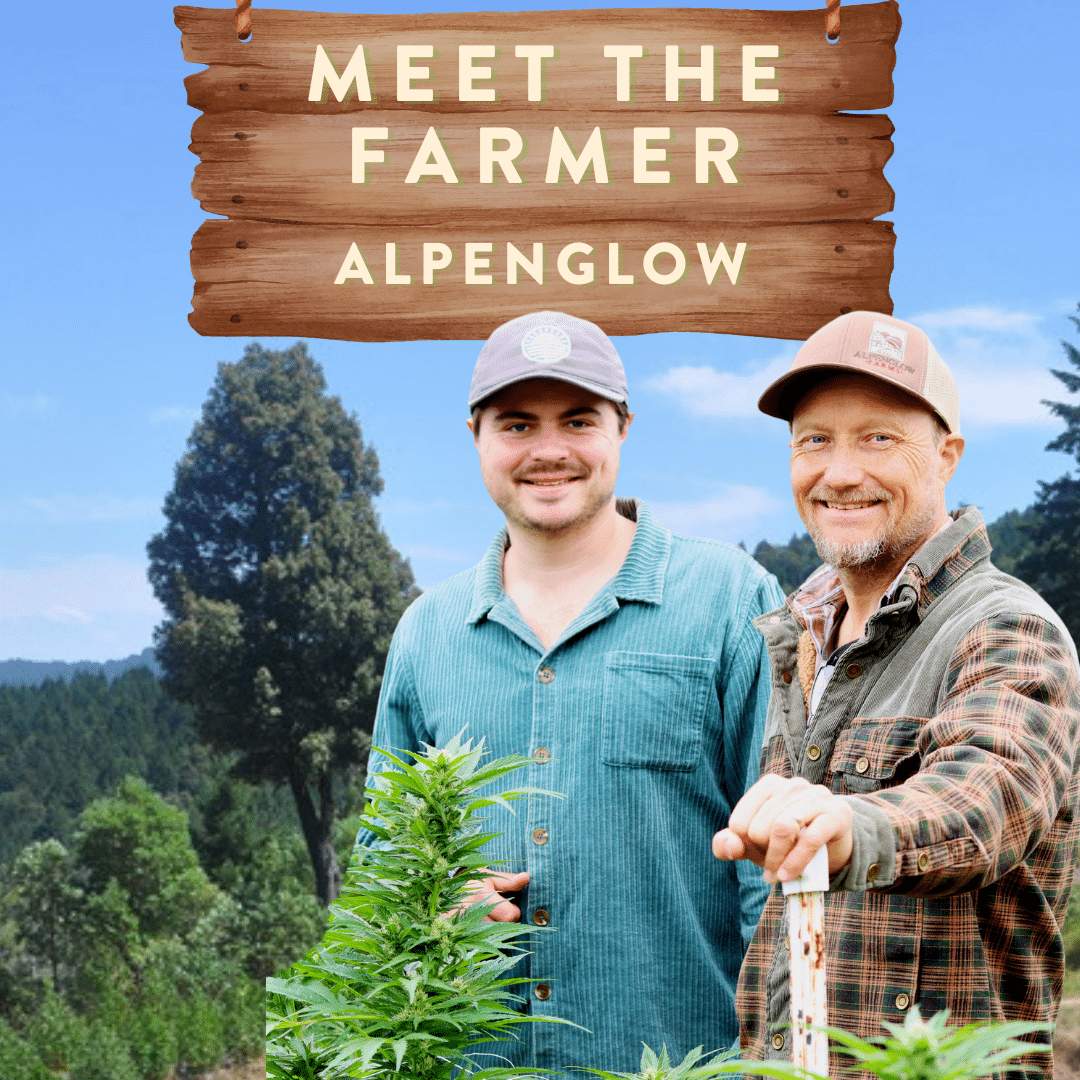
{"x":103,"y":378}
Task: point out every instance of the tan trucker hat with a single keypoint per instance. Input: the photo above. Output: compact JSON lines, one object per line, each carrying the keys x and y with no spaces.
{"x":868,"y":343}
{"x":548,"y":345}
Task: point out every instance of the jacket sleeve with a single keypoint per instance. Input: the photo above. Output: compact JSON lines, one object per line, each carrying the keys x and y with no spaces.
{"x":747,"y":682}
{"x":399,"y":718}
{"x":995,"y":766}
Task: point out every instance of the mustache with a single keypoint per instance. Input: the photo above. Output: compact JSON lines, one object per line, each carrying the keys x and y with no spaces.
{"x":546,"y":472}
{"x":847,"y":496}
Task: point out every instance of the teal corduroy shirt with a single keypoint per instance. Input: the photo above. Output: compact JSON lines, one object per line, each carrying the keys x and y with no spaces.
{"x":648,"y":715}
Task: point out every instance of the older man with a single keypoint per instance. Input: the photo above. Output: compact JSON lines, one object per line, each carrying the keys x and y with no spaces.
{"x":923,"y":723}
{"x":623,"y":661}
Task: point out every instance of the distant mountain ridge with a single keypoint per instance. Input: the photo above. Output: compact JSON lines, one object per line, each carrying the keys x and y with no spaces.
{"x":36,"y":672}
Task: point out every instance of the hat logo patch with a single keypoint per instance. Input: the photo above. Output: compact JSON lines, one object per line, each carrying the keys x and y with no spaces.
{"x":546,"y":345}
{"x":888,"y":342}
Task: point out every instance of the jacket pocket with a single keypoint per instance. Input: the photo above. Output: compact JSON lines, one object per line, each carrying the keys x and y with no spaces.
{"x":654,"y":710}
{"x":875,"y":752}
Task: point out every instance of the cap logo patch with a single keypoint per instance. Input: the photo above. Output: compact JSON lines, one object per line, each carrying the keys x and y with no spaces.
{"x":546,"y":345}
{"x":888,"y":342}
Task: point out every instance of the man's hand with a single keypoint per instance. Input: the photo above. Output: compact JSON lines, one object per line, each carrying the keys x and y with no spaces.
{"x":780,"y":823}
{"x":488,"y":889}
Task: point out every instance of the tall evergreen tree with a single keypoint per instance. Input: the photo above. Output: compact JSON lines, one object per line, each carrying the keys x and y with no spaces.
{"x":280,"y":587}
{"x":1052,"y":565}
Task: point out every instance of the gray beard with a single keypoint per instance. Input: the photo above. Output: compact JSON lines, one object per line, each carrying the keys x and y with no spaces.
{"x":877,"y":550}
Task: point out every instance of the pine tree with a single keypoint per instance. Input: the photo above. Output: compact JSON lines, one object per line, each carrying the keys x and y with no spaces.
{"x":1052,"y":565}
{"x":281,"y":589}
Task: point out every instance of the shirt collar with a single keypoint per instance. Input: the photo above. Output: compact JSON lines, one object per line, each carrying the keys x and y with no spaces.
{"x":948,"y":554}
{"x":640,"y":578}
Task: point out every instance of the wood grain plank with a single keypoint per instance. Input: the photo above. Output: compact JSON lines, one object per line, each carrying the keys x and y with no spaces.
{"x":297,"y":167}
{"x":272,"y":71}
{"x":257,"y":278}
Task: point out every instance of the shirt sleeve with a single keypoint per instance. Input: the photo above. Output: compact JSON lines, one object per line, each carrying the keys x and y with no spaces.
{"x":399,"y":719}
{"x":747,"y":682}
{"x":995,"y":765}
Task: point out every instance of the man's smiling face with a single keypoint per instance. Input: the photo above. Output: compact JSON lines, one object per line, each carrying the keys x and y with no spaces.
{"x":549,"y":453}
{"x":868,"y":470}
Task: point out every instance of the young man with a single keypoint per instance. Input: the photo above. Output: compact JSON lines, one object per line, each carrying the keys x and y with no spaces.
{"x":621,"y":659}
{"x":924,"y":721}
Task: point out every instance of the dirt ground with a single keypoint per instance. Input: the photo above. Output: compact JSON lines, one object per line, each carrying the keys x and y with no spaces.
{"x":1067,"y":1041}
{"x":249,"y":1070}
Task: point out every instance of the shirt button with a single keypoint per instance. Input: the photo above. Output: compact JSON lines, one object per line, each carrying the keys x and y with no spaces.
{"x":542,"y":991}
{"x":872,"y":871}
{"x":923,"y":861}
{"x":786,"y":676}
{"x":854,"y":671}
{"x":540,"y":836}
{"x":541,"y":916}
{"x":545,"y":674}
{"x":774,"y":619}
{"x":862,"y":765}
{"x":813,"y":752}
{"x":778,"y":1041}
{"x":542,"y":754}
{"x":902,"y":1001}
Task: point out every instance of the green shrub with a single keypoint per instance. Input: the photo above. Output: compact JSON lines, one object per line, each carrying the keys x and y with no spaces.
{"x":18,"y":1061}
{"x":200,"y":1035}
{"x":103,"y":1057}
{"x":57,"y":1033}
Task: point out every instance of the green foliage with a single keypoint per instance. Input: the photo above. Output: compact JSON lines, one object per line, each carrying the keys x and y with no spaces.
{"x":137,"y":840}
{"x":46,"y":904}
{"x":930,"y":1049}
{"x":63,"y":745}
{"x":660,"y":1067}
{"x":1010,"y":538}
{"x":406,"y":979}
{"x":792,"y":563}
{"x":18,"y":1060}
{"x":281,"y":589}
{"x":1071,"y":931}
{"x":1052,"y":565}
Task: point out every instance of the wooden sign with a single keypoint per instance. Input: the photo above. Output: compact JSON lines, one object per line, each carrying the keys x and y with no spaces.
{"x":431,"y":176}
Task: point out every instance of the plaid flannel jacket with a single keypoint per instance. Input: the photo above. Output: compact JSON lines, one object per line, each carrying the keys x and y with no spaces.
{"x":952,"y":725}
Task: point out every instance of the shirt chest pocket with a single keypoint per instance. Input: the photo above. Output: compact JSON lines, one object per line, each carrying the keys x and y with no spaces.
{"x":654,"y":710}
{"x":874,"y":753}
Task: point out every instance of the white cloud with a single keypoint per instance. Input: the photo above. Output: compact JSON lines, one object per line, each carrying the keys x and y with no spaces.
{"x":58,"y":613}
{"x":704,"y":391}
{"x":725,"y":515}
{"x":83,"y":590}
{"x":1001,"y":360}
{"x":175,"y":414}
{"x":978,"y":318}
{"x":12,"y":406}
{"x":79,"y":509}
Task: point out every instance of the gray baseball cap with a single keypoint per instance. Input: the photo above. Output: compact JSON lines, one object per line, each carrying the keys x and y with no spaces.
{"x":548,"y":345}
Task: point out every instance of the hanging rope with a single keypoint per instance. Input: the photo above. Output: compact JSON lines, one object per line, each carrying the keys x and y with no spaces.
{"x":243,"y":19}
{"x":832,"y":19}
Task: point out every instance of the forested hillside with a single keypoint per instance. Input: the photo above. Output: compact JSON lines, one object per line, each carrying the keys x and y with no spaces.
{"x":144,"y":893}
{"x":35,"y":672}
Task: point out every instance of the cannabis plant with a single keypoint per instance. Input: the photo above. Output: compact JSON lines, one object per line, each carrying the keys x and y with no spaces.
{"x":410,"y":976}
{"x":918,"y":1049}
{"x":930,"y":1049}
